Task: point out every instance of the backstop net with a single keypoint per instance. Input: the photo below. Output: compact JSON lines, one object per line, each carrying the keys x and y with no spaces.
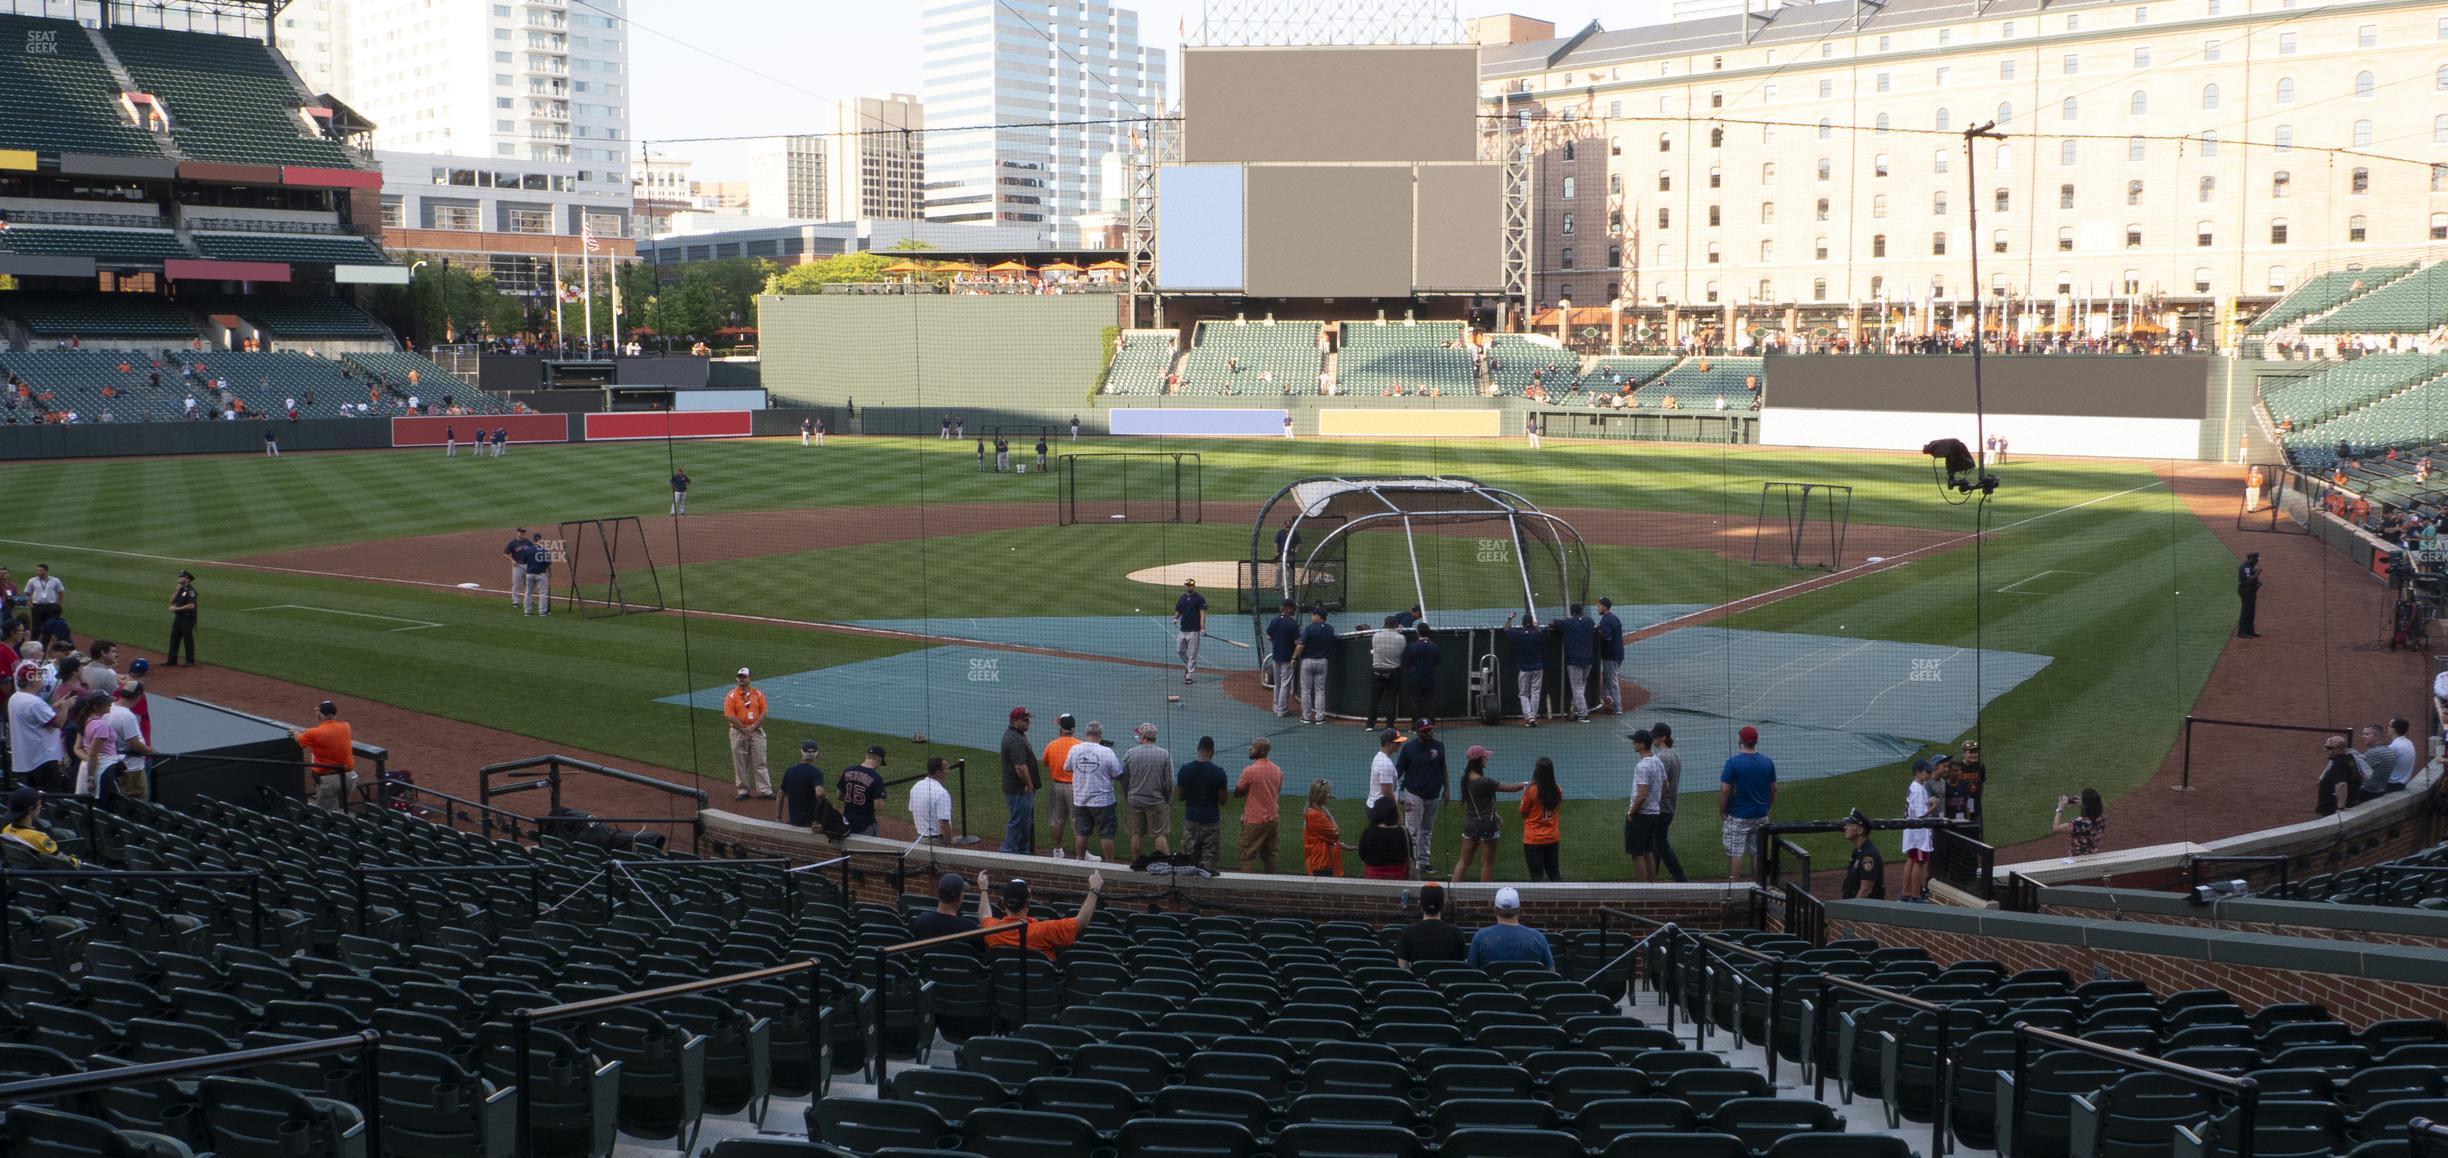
{"x":608,"y":567}
{"x":1137,"y":487}
{"x":1802,"y":524}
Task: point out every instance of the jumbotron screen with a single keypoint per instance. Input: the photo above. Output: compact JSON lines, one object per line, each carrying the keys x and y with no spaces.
{"x":1330,"y":172}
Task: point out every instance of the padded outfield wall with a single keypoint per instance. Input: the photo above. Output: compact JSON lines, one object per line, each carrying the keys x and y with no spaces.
{"x":993,"y":358}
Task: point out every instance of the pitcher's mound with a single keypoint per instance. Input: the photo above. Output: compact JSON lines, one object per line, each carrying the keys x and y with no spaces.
{"x":1224,"y":573}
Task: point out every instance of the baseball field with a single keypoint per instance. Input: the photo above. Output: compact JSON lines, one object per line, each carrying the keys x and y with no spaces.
{"x":882,"y":588}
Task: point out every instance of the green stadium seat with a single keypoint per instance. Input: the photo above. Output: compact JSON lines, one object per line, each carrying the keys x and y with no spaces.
{"x":2414,"y":304}
{"x":1140,"y":366}
{"x":1378,"y":356}
{"x":1286,"y":352}
{"x":291,"y":248}
{"x":230,"y":98}
{"x":65,"y":100}
{"x":2323,"y":293}
{"x":245,"y":1118}
{"x":35,"y":1132}
{"x":107,"y":246}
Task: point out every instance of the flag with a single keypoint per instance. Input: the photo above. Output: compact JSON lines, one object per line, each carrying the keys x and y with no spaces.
{"x":569,"y":293}
{"x":587,"y":231}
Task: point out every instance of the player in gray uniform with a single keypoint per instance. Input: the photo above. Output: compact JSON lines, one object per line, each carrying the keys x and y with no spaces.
{"x":539,"y":578}
{"x":1189,"y":622}
{"x":517,"y":549}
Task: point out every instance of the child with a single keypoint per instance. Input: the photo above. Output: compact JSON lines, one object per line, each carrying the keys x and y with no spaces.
{"x":1322,"y":845}
{"x":1917,"y":841}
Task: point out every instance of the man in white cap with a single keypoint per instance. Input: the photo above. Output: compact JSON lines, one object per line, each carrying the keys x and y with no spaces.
{"x":1508,"y":939}
{"x":744,"y":710}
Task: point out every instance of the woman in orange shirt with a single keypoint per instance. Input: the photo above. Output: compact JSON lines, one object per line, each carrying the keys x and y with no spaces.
{"x":1540,"y":834}
{"x":1322,"y":844}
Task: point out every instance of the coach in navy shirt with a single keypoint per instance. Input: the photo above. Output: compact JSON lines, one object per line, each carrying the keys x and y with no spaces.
{"x":1420,"y":658}
{"x":862,"y":788}
{"x":1420,"y":770}
{"x":1529,"y":663}
{"x":1580,"y":654}
{"x":1316,"y":644}
{"x":518,"y":549}
{"x":1610,"y":657}
{"x":1283,"y":636}
{"x":1189,"y":622}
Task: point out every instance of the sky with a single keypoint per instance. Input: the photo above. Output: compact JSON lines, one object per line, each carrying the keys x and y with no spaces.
{"x":709,"y":68}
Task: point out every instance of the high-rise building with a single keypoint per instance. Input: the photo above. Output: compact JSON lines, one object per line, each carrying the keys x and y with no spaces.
{"x":1073,"y":71}
{"x":870,"y":162}
{"x":786,"y":178}
{"x":502,"y":127}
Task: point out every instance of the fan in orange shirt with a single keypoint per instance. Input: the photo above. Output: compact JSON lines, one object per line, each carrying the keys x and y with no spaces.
{"x":1044,"y":936}
{"x":1322,"y":845}
{"x":1057,"y":752}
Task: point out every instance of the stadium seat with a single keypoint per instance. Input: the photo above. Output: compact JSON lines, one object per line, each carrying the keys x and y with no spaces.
{"x":1102,"y":1104}
{"x":1693,"y":1145}
{"x":243,"y":1118}
{"x":64,"y":100}
{"x":35,"y":1132}
{"x":1336,"y":1140}
{"x":1027,"y":1134}
{"x":1510,"y":1143}
{"x":865,"y":1125}
{"x":230,"y":98}
{"x":1184,"y":1138}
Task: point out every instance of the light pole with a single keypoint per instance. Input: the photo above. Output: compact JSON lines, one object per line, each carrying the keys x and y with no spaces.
{"x":417,"y":306}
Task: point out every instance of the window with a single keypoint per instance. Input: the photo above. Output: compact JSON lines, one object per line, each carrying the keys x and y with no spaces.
{"x":1665,"y":219}
{"x":1819,"y":249}
{"x":2440,"y":79}
{"x":1717,"y":137}
{"x":1938,"y":244}
{"x":1943,"y":73}
{"x":2362,"y":134}
{"x":1878,"y":245}
{"x":2065,"y":152}
{"x":1946,"y":36}
{"x":2277,"y":278}
{"x":1827,"y":88}
{"x":2003,"y":200}
{"x":2133,"y":192}
{"x":2439,"y":129}
{"x":2355,"y":228}
{"x":2133,"y":236}
{"x":1767,"y":172}
{"x":530,"y":221}
{"x":2209,"y":144}
{"x":1568,"y":257}
{"x":2142,"y":56}
{"x":2133,"y":281}
{"x":2202,"y":234}
{"x":1827,"y":129}
{"x":2069,"y":109}
{"x":1569,"y":186}
{"x":2073,"y":64}
{"x":2065,"y":196}
{"x":2359,"y":181}
{"x":1881,"y":126}
{"x":1997,"y":242}
{"x":1881,"y":83}
{"x":2065,"y":239}
{"x":1712,"y":253}
{"x":2005,"y":115}
{"x":1568,"y":224}
{"x":1946,"y":120}
{"x":2282,"y":183}
{"x":1819,"y":289}
{"x":1665,"y":181}
{"x":1614,"y":182}
{"x":2286,"y":44}
{"x":1614,"y":146}
{"x":1568,"y":145}
{"x":394,"y":215}
{"x":2367,"y":35}
{"x":2439,"y":177}
{"x":2138,"y":104}
{"x":1767,"y":251}
{"x":2074,"y":23}
{"x":2006,"y":70}
{"x":2283,"y":138}
{"x":1878,"y":206}
{"x":457,"y":217}
{"x":1665,"y":142}
{"x":2201,"y":279}
{"x":1938,"y":203}
{"x":2065,"y":282}
{"x":1717,"y":99}
{"x":2209,"y":189}
{"x":2210,"y":98}
{"x":1767,"y":212}
{"x":2278,"y":231}
{"x":1878,"y":165}
{"x":2439,"y":227}
{"x":1823,"y":168}
{"x":1614,"y":256}
{"x":1883,"y":42}
{"x":2142,"y":14}
{"x":1716,"y":177}
{"x":2286,"y":90}
{"x":1766,"y":291}
{"x":2363,"y":85}
{"x":1938,"y":161}
{"x":1713,"y":217}
{"x":2210,"y":50}
{"x":1614,"y":222}
{"x":2135,"y":150}
{"x":1878,"y":287}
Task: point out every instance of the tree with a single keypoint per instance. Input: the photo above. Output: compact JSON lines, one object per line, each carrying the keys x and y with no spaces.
{"x":909,"y":245}
{"x":446,"y":300}
{"x":842,"y":268}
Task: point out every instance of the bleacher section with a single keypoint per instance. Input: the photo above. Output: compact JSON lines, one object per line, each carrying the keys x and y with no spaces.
{"x":76,"y":380}
{"x":2411,"y":418}
{"x":432,"y":383}
{"x":291,"y":248}
{"x":64,"y":99}
{"x":2424,"y":888}
{"x":299,"y":317}
{"x":1694,"y":388}
{"x":1139,"y":368}
{"x":266,"y":382}
{"x":1288,"y":351}
{"x":98,"y":316}
{"x":2323,"y":293}
{"x":147,"y":245}
{"x":1609,"y":374}
{"x":2347,"y":385}
{"x":229,"y":98}
{"x":2411,"y":305}
{"x":1377,"y":356}
{"x":1515,"y":360}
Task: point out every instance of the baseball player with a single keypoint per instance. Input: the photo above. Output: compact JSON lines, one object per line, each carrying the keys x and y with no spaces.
{"x":1002,"y":454}
{"x":1610,"y":657}
{"x":539,"y":577}
{"x":821,"y":427}
{"x":1283,"y":640}
{"x":1317,"y":643}
{"x":501,"y":440}
{"x":518,"y":549}
{"x":1189,"y":622}
{"x":680,"y":484}
{"x":807,"y":431}
{"x":450,"y":442}
{"x":1041,"y":452}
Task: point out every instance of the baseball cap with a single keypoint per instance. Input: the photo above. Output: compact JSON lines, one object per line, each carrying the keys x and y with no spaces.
{"x":1603,"y":601}
{"x":950,"y":886}
{"x":328,"y":708}
{"x":25,"y":797}
{"x":1641,"y":737}
{"x":1019,"y":713}
{"x":1015,"y":895}
{"x":1477,"y":752}
{"x":807,"y":745}
{"x":1931,"y":763}
{"x":1066,"y":721}
{"x":1856,"y":817}
{"x":1660,"y":731}
{"x":743,"y":671}
{"x":875,"y":749}
{"x":1508,"y":898}
{"x":1422,"y":723}
{"x":141,"y":666}
{"x":1748,"y":735}
{"x":1388,"y":736}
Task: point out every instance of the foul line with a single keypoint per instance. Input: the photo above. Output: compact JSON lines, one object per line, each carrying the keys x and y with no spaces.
{"x":413,"y":624}
{"x":2009,"y":589}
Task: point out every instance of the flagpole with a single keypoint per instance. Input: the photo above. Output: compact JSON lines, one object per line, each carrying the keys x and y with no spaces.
{"x":614,"y":279}
{"x":586,"y":288}
{"x":560,"y":332}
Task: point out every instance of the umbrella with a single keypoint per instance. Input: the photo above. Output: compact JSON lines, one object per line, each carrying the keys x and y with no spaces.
{"x":1059,"y":267}
{"x":956,"y":267}
{"x":1108,"y":264}
{"x":905,"y":267}
{"x":1007,"y":267}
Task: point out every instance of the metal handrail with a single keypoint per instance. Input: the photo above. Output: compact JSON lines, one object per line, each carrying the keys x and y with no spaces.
{"x":254,"y":880}
{"x":1942,"y":1057}
{"x":1606,"y":940}
{"x":2427,"y":1137}
{"x":2246,"y":1090}
{"x":367,"y":1043}
{"x":883,"y":987}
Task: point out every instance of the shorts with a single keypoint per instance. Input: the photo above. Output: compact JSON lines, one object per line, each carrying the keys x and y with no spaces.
{"x":1153,"y":823}
{"x":1058,"y":808}
{"x":1641,"y":833}
{"x":1917,"y":855}
{"x":1258,"y":840}
{"x":1737,"y":832}
{"x":1482,"y":827}
{"x":1094,"y":819}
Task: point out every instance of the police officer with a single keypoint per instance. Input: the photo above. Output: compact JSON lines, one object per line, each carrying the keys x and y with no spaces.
{"x":182,"y":620}
{"x":2248,"y":591}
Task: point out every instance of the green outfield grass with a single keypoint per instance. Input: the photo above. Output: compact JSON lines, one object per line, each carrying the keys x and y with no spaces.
{"x":2124,"y":589}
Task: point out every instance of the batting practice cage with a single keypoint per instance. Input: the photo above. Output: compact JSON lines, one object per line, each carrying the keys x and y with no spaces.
{"x":1142,"y":487}
{"x":1802,"y":524}
{"x":609,"y":567}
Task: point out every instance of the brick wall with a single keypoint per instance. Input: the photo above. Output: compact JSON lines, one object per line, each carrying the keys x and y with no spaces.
{"x":2260,"y":928}
{"x":2369,"y":834}
{"x":2358,"y":1001}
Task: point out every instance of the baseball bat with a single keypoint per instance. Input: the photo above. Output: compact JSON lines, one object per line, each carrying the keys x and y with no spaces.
{"x":1221,"y":639}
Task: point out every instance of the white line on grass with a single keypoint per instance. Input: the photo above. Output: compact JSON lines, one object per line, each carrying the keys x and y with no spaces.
{"x":413,"y":624}
{"x":2010,"y":588}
